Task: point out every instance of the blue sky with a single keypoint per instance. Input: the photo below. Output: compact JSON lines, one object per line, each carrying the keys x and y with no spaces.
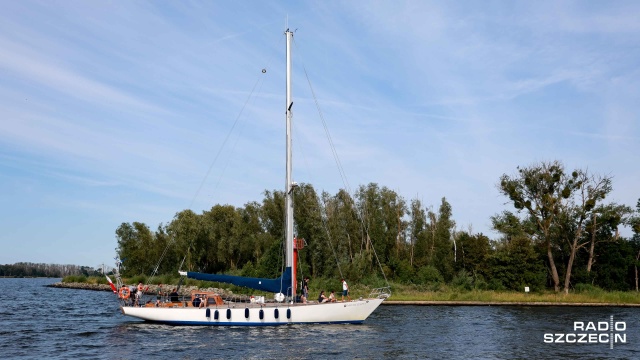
{"x":113,"y":111}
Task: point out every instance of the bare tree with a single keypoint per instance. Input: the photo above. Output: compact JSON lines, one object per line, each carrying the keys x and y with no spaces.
{"x":591,"y":189}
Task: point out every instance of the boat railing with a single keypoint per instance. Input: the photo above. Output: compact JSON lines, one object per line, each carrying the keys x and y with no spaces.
{"x":381,"y":293}
{"x":164,"y":300}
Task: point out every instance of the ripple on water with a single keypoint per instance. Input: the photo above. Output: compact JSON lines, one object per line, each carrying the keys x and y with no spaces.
{"x":87,"y":324}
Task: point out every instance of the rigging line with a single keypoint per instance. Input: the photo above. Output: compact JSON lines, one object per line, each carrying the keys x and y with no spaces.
{"x":164,"y":253}
{"x":172,"y":240}
{"x":326,"y":129}
{"x":211,"y":165}
{"x":233,"y":148}
{"x":261,"y":81}
{"x":334,"y":152}
{"x":337,"y":159}
{"x":323,"y":218}
{"x":224,"y":143}
{"x":326,"y":228}
{"x":258,"y":81}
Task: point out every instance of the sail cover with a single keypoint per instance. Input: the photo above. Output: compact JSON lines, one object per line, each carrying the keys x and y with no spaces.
{"x":279,"y":285}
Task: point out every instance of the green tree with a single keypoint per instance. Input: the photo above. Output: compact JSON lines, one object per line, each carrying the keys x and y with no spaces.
{"x":187,"y":232}
{"x":417,"y":226}
{"x":615,"y":266}
{"x":223,"y":227}
{"x":347,"y":231}
{"x":441,"y":228}
{"x":382,"y":212}
{"x":603,"y":226}
{"x":254,"y":239}
{"x":317,"y":257}
{"x":164,"y":251}
{"x":539,"y":190}
{"x":134,"y":243}
{"x":515,"y":264}
{"x":634,"y":222}
{"x":511,"y":226}
{"x":474,"y":251}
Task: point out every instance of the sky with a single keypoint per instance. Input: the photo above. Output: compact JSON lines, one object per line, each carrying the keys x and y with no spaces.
{"x":122,"y":111}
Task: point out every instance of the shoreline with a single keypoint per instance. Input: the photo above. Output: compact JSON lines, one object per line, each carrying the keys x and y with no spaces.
{"x":81,"y":286}
{"x":499,"y":303}
{"x":152,"y":288}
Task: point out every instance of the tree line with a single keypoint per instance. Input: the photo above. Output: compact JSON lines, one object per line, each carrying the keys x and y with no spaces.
{"x":557,"y":231}
{"x":27,"y":269}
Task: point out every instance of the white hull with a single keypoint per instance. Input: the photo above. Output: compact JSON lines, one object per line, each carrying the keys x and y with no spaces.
{"x":352,"y":312}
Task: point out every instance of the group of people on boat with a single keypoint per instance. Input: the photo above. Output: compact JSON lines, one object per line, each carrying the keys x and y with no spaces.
{"x":199,"y":301}
{"x":322,"y":298}
{"x":132,"y":295}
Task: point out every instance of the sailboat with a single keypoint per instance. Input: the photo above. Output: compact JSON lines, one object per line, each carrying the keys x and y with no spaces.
{"x":205,"y":308}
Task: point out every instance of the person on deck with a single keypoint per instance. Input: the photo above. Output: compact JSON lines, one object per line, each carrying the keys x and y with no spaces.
{"x":159,"y":293}
{"x":174,"y":296}
{"x":345,"y":290}
{"x":322,"y":298}
{"x":332,"y":296}
{"x":305,"y":287}
{"x":139,"y":294}
{"x":132,"y":298}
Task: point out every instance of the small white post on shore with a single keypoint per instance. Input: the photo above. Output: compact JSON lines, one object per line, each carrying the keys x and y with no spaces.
{"x":526,"y":289}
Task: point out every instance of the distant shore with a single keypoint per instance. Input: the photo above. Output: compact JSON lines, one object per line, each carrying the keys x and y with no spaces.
{"x":187,"y":289}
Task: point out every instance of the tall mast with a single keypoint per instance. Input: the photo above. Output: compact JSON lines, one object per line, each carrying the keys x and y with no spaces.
{"x":289,"y":184}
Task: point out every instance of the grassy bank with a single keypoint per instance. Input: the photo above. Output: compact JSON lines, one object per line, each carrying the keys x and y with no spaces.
{"x":584,"y":294}
{"x":402,"y":292}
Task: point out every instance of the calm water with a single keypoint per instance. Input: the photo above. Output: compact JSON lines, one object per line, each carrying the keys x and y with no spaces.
{"x":41,"y":322}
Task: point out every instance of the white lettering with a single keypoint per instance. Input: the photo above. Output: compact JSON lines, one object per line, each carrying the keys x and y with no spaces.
{"x":591,"y":332}
{"x":582,"y":338}
{"x":548,"y":338}
{"x":620,"y":338}
{"x":603,"y":338}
